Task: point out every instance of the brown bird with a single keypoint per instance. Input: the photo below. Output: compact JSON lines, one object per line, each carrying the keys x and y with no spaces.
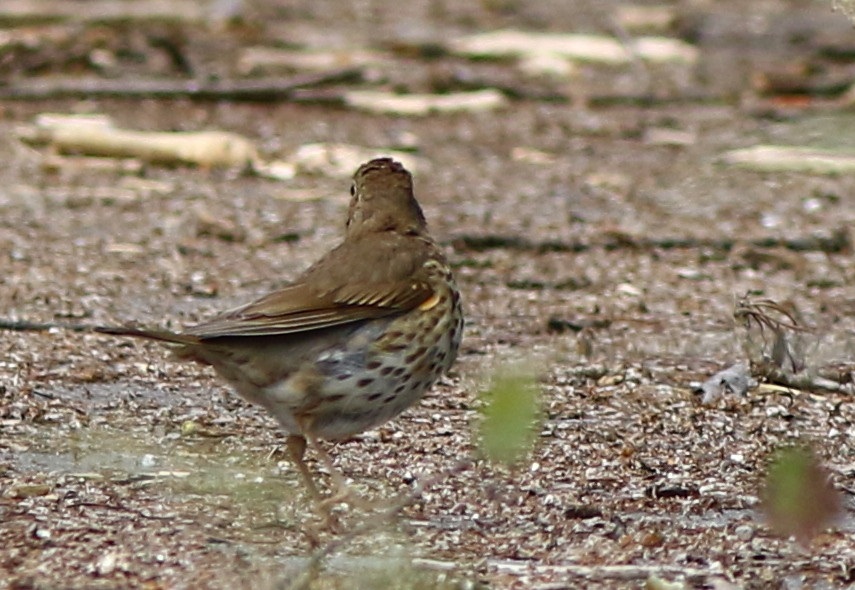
{"x":355,"y":340}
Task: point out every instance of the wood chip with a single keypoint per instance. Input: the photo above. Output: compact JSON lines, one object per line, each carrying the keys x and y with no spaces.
{"x":666,"y":136}
{"x":270,"y":60}
{"x":532,"y":156}
{"x":586,"y":48}
{"x":780,"y":158}
{"x":633,"y":17}
{"x":31,"y":490}
{"x":424,"y":104}
{"x":341,"y":159}
{"x":95,"y":136}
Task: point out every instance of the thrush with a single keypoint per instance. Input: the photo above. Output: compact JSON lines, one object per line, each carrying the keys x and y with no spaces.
{"x":355,"y":340}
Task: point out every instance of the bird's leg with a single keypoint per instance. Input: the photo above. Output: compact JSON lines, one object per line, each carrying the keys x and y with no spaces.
{"x":342,"y":493}
{"x":297,"y":448}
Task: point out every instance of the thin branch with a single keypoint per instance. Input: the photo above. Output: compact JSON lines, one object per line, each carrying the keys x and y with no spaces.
{"x":256,"y":89}
{"x":24,"y":326}
{"x":837,"y":242}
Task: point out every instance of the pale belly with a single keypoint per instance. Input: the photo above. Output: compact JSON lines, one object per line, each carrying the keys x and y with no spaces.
{"x":373,"y":376}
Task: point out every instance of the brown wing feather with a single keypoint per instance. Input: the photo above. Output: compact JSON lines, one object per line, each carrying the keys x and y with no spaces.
{"x":335,"y":291}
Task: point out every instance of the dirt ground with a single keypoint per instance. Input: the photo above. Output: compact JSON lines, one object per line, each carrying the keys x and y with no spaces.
{"x":595,"y":234}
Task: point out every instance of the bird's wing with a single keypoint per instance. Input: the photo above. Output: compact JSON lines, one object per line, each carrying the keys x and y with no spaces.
{"x":296,"y":309}
{"x":341,"y":288}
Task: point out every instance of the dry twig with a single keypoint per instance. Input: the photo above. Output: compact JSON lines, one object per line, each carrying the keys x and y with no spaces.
{"x":256,"y":89}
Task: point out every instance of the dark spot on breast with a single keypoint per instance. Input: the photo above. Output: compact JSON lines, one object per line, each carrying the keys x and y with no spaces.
{"x":399,"y":371}
{"x":373,"y":365}
{"x":343,"y":376}
{"x":430,"y":322}
{"x":373,"y":396}
{"x":389,"y":398}
{"x":334,"y":398}
{"x":417,"y":354}
{"x":400,"y":388}
{"x":365,"y":382}
{"x":386,"y":370}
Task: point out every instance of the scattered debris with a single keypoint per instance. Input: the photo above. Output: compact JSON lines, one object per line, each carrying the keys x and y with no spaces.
{"x":96,"y":137}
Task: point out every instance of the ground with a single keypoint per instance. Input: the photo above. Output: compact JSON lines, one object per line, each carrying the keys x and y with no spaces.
{"x":590,"y":252}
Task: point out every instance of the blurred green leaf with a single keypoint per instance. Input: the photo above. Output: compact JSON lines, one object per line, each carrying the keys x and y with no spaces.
{"x":799,"y":498}
{"x":510,"y":415}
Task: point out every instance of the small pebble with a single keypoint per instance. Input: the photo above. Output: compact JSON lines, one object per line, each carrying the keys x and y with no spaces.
{"x":744,"y":532}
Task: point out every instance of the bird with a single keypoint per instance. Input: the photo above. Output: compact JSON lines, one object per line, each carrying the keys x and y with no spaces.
{"x":353,"y":341}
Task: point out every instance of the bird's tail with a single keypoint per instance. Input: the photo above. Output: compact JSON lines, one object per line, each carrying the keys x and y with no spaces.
{"x":160,"y":335}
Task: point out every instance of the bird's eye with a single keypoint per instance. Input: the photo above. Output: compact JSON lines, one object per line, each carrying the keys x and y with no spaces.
{"x":352,"y":190}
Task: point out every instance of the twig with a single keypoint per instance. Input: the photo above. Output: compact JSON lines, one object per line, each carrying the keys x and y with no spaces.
{"x":24,"y":326}
{"x":756,"y":310}
{"x":838,"y":241}
{"x":799,"y":381}
{"x":772,"y":317}
{"x":256,"y":89}
{"x":101,"y":11}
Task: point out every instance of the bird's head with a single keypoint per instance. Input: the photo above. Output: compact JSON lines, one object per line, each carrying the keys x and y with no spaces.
{"x":382,"y":200}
